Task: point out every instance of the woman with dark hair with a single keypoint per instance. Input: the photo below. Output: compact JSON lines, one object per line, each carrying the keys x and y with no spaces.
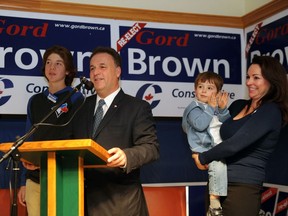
{"x":250,"y":136}
{"x":59,"y":70}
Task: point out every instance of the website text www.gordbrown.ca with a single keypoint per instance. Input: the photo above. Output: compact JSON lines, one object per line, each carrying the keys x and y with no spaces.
{"x":82,"y":27}
{"x":215,"y":36}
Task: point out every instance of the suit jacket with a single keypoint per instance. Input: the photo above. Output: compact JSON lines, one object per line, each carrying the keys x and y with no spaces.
{"x":129,"y":125}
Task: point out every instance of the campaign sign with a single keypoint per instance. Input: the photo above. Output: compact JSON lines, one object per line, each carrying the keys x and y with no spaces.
{"x":23,"y":43}
{"x":160,"y":64}
{"x":270,"y":39}
{"x":180,"y":55}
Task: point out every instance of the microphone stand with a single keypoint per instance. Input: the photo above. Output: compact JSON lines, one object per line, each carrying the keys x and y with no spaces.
{"x":15,"y":154}
{"x":14,"y":160}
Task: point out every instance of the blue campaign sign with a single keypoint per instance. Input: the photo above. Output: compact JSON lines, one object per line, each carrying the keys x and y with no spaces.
{"x":24,"y":38}
{"x":270,"y":39}
{"x":173,"y":55}
{"x":24,"y":41}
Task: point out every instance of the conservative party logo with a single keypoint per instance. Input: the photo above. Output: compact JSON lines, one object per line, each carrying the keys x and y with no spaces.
{"x":4,"y":85}
{"x":62,"y":109}
{"x":148,"y":92}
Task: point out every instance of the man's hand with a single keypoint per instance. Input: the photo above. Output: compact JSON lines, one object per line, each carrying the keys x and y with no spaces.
{"x":118,"y":158}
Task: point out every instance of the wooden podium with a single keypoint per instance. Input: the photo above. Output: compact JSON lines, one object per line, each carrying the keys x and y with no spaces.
{"x":62,"y":171}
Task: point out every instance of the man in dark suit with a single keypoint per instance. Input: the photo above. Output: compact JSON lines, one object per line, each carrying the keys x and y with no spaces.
{"x":127,"y":131}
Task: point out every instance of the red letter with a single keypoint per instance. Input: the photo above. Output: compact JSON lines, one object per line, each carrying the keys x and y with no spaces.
{"x":139,"y":37}
{"x":1,"y":29}
{"x":183,"y":41}
{"x":40,"y":31}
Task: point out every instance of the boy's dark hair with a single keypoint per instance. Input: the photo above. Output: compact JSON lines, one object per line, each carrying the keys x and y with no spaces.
{"x":211,"y":77}
{"x":66,"y":55}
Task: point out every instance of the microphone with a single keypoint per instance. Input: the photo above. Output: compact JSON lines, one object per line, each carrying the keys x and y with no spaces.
{"x":88,"y":84}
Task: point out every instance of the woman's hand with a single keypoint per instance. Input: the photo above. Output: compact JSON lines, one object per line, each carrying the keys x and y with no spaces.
{"x":195,"y":156}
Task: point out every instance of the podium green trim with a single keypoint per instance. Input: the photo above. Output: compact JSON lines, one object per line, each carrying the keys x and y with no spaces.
{"x":62,"y":165}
